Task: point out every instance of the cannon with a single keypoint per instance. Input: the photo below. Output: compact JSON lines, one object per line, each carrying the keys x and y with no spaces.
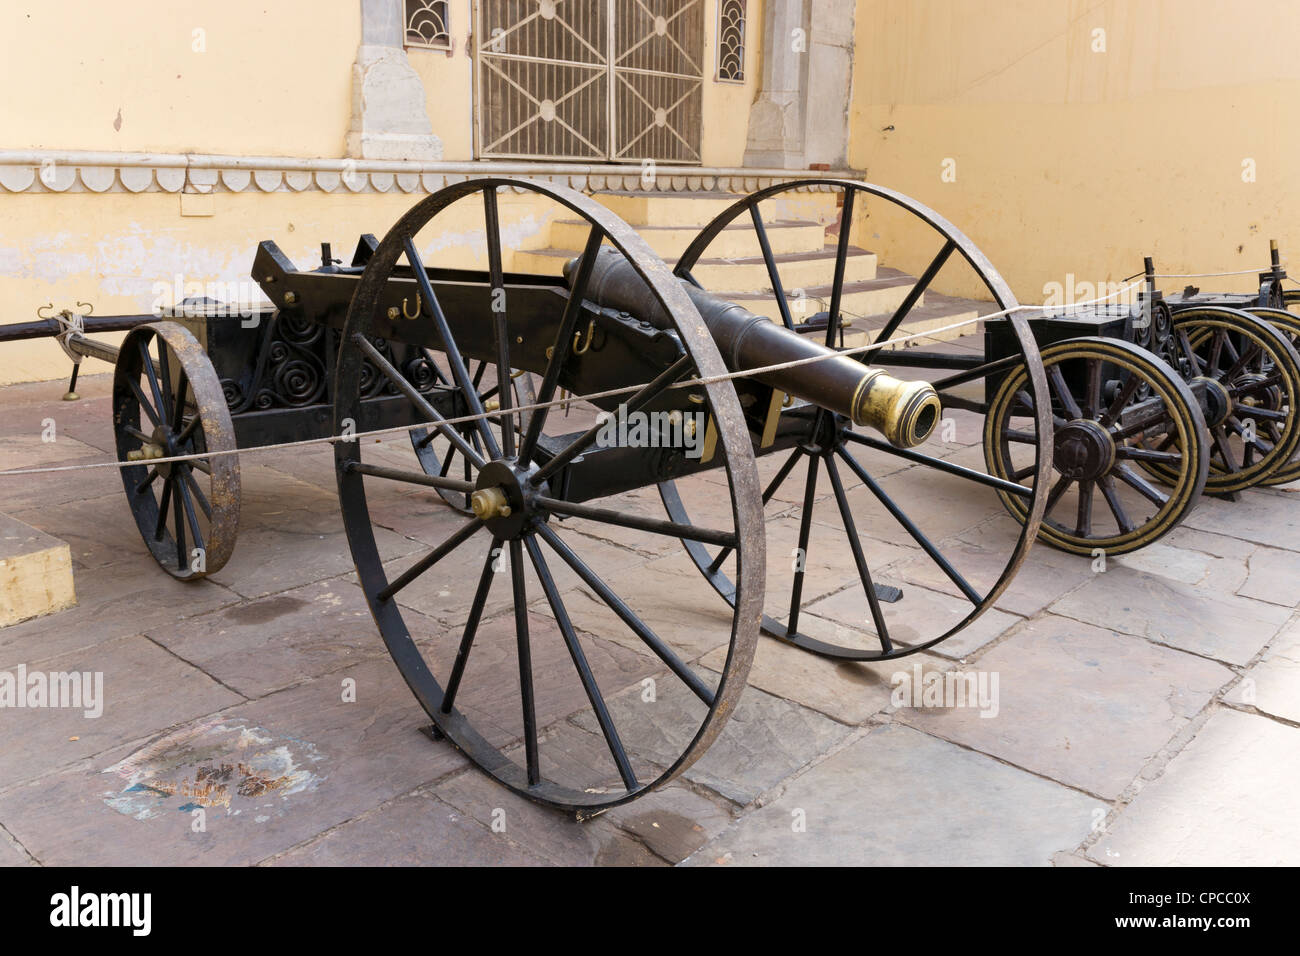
{"x":507,"y":382}
{"x":1269,"y":403}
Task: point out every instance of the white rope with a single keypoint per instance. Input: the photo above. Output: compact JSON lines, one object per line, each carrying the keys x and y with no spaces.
{"x":891,"y":344}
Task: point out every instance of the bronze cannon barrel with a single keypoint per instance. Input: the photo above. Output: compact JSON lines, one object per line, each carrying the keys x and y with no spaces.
{"x":905,"y":412}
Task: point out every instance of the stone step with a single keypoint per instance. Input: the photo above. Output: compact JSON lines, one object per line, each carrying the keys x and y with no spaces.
{"x":697,"y":209}
{"x":35,"y":573}
{"x":870,"y":297}
{"x":798,"y":270}
{"x":934,"y":312}
{"x":737,"y":239}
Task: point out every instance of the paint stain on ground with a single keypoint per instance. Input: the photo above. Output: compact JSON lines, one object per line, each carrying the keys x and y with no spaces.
{"x":263,"y":612}
{"x":216,"y":764}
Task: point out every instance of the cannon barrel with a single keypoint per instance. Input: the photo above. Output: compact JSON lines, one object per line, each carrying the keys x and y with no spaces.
{"x":905,"y":412}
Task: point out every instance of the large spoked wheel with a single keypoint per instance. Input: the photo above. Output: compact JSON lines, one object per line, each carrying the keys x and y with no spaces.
{"x":168,"y":402}
{"x":920,"y":532}
{"x":1288,"y":323}
{"x":1251,"y":374}
{"x":1114,"y":404}
{"x":646,"y":708}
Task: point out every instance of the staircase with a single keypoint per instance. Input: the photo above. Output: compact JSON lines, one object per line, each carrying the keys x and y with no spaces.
{"x":801,"y":231}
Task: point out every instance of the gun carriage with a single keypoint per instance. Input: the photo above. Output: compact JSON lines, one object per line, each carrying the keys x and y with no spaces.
{"x":392,"y":342}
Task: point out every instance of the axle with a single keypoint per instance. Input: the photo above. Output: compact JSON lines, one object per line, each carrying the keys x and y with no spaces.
{"x":905,"y":412}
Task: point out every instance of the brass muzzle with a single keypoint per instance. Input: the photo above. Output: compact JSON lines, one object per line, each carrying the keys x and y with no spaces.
{"x":906,"y":413}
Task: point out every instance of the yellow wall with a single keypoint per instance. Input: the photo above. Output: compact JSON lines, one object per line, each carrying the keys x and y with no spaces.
{"x":726,"y":105}
{"x":1070,"y":161}
{"x":123,"y":252}
{"x":274,"y":79}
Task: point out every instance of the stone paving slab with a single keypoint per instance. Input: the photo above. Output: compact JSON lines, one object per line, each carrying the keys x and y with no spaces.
{"x":143,"y":689}
{"x":1261,"y":516}
{"x":1272,"y":577}
{"x":1273,"y":685}
{"x":765,"y":740}
{"x":1227,"y":799}
{"x":414,"y":830}
{"x":279,"y":641}
{"x":900,"y":797}
{"x":846,"y":691}
{"x":1223,"y":626}
{"x":334,"y":761}
{"x":113,"y":601}
{"x":11,"y":854}
{"x":1080,"y":704}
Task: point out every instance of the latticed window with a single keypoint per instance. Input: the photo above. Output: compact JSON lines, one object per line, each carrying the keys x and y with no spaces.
{"x":731,"y":41}
{"x":426,"y":24}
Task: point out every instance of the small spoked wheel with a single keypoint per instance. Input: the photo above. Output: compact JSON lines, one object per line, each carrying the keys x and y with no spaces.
{"x":168,"y":402}
{"x":1115,"y":407}
{"x":875,"y":552}
{"x":1250,"y":373}
{"x":561,"y":679}
{"x":1288,"y":323}
{"x":437,"y":455}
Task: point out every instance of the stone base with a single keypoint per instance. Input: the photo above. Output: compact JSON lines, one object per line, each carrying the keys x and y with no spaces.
{"x":35,"y":573}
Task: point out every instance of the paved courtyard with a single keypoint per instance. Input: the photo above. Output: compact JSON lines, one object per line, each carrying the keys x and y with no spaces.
{"x":1147,"y":714}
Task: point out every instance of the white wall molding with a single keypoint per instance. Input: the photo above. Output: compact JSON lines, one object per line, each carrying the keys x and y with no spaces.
{"x":78,"y":171}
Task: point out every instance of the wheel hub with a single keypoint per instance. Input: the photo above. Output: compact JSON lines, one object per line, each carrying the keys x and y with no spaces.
{"x":1254,"y":391}
{"x":1218,"y":401}
{"x":504,"y":499}
{"x":1083,"y":450}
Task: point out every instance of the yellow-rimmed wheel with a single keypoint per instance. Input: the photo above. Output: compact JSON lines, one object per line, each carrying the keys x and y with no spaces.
{"x":1114,"y":406}
{"x":1249,"y":374}
{"x":1288,"y":323}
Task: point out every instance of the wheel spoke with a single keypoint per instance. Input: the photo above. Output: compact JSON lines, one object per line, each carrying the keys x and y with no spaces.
{"x":163,"y":504}
{"x":910,"y":527}
{"x":199,"y":496}
{"x":1112,"y":499}
{"x":1225,"y":450}
{"x":805,"y":526}
{"x":471,"y":626}
{"x":627,"y":615}
{"x":501,"y":326}
{"x":410,"y":477}
{"x":165,"y":371}
{"x":525,"y":662}
{"x":647,"y":394}
{"x":191,"y":516}
{"x":947,"y":467}
{"x":770,"y":260}
{"x":1141,"y":485}
{"x":1121,"y":400}
{"x":775,"y":483}
{"x":1092,"y":397}
{"x":179,"y":521}
{"x":465,"y":532}
{"x":1083,"y":523}
{"x":563,"y":343}
{"x":689,"y":532}
{"x":178,"y":410}
{"x":1057,"y":379}
{"x":855,"y":545}
{"x":419,"y":401}
{"x":1133,"y":453}
{"x":841,"y":264}
{"x":1058,"y":491}
{"x":913,"y":296}
{"x":450,"y":349}
{"x":144,"y":402}
{"x":149,"y":479}
{"x":580,"y":664}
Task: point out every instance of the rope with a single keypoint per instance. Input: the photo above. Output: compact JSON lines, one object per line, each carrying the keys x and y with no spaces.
{"x":890,"y":345}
